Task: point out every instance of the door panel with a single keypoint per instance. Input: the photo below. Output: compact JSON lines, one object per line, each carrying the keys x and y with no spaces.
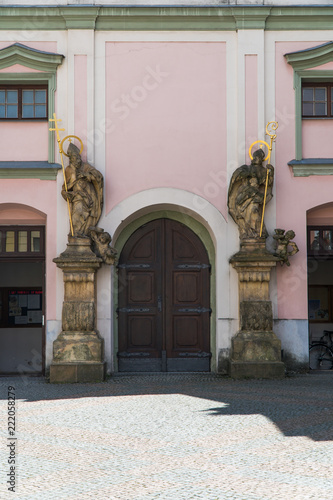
{"x":164,"y":312}
{"x":140,"y":318}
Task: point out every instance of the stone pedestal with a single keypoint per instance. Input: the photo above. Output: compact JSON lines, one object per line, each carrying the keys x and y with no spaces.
{"x":256,"y":350}
{"x":78,"y":351}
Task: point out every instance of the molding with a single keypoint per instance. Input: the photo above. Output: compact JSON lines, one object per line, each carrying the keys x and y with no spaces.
{"x":31,"y":58}
{"x":29,"y":170}
{"x":297,"y":18}
{"x":82,"y":18}
{"x":251,"y":19}
{"x":301,"y":61}
{"x":310,"y":58}
{"x":28,"y":78}
{"x":165,"y":18}
{"x":45,"y":62}
{"x":312,"y":166}
{"x":229,"y":17}
{"x":299,"y":76}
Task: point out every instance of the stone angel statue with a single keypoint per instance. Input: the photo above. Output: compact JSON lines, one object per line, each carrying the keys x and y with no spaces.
{"x":246,"y":196}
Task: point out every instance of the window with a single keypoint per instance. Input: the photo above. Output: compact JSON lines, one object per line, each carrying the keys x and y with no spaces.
{"x":23,"y":102}
{"x":320,"y":240}
{"x":317,"y":100}
{"x":21,"y":241}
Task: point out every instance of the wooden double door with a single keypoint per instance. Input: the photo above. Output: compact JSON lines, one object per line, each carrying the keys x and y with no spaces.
{"x":163,"y":304}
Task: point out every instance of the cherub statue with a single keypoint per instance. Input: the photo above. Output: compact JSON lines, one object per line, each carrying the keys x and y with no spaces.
{"x":283,"y":242}
{"x":246,"y":196}
{"x":101,"y":245}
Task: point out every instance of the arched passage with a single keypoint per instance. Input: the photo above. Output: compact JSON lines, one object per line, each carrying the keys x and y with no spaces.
{"x":182,"y":215}
{"x":320,"y":270}
{"x":22,"y":289}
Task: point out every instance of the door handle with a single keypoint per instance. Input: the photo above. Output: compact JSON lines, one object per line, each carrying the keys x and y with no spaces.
{"x":159,"y":303}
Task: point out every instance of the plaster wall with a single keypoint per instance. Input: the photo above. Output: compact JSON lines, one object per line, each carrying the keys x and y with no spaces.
{"x":168,"y":102}
{"x":310,"y":191}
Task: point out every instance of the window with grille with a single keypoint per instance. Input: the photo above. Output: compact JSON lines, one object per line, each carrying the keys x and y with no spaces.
{"x":317,"y":100}
{"x":23,"y":102}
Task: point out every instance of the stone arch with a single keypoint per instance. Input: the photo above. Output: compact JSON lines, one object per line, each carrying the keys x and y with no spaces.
{"x":196,"y":227}
{"x":193,"y":211}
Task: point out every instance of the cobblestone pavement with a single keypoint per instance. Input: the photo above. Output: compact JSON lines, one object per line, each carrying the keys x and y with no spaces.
{"x":171,"y":437}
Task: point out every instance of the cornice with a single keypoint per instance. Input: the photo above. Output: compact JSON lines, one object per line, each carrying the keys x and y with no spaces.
{"x":253,"y":18}
{"x":312,"y":166}
{"x":29,"y":170}
{"x":230,"y":18}
{"x":79,"y":18}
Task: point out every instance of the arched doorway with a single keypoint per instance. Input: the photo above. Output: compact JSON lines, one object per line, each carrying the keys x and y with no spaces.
{"x":320,"y":270}
{"x":22,"y":289}
{"x":163,"y":303}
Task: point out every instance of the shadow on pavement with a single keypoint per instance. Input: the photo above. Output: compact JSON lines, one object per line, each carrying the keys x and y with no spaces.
{"x":299,"y":406}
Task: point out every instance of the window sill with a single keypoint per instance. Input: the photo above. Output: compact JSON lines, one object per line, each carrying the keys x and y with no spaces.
{"x":311,"y":166}
{"x":29,"y":170}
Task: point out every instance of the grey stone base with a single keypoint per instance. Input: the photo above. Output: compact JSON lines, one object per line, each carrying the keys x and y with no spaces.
{"x":70,"y":373}
{"x":256,"y":347}
{"x":256,"y":369}
{"x":78,"y":347}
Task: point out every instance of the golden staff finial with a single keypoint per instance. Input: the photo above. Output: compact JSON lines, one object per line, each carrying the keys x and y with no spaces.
{"x":270,"y":129}
{"x":57,"y":130}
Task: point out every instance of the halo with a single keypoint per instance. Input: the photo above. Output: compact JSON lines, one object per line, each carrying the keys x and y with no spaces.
{"x":67,"y":137}
{"x":258,"y":142}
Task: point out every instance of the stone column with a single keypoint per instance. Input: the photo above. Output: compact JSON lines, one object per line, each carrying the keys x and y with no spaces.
{"x":78,"y":351}
{"x":256,"y":350}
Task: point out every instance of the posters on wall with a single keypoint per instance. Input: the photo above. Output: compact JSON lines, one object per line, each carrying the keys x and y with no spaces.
{"x":24,"y":307}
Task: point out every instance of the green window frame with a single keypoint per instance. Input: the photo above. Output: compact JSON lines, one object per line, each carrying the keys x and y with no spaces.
{"x":45,"y":66}
{"x":303,"y":62}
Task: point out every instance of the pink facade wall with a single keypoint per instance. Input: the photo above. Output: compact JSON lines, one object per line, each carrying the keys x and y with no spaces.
{"x":315,"y":134}
{"x":18,"y":68}
{"x":295,"y":195}
{"x":28,"y":137}
{"x":166,"y":119}
{"x":16,"y":196}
